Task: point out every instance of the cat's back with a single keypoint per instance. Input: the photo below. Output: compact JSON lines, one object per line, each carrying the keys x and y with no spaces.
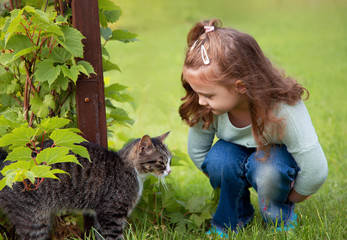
{"x":105,"y":177}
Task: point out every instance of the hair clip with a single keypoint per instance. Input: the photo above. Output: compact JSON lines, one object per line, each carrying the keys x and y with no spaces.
{"x":204,"y":56}
{"x":193,"y":45}
{"x":209,"y":29}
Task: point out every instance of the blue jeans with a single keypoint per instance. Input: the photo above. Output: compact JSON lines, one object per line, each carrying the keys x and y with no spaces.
{"x":234,"y":169}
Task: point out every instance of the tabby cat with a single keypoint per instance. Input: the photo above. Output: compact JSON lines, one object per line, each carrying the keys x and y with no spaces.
{"x":110,"y":185}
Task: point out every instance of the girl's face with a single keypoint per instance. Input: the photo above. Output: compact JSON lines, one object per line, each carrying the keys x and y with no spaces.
{"x":214,"y":96}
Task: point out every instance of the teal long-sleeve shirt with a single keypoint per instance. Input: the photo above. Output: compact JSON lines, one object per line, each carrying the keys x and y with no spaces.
{"x":299,"y":137}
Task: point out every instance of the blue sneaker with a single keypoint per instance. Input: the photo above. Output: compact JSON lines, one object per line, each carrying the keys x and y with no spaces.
{"x":217,"y":231}
{"x":290,"y":224}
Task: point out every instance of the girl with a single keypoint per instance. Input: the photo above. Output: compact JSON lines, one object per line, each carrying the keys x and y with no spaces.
{"x":266,"y":138}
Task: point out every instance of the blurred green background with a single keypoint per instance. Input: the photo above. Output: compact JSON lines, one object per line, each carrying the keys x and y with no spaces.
{"x":306,"y":38}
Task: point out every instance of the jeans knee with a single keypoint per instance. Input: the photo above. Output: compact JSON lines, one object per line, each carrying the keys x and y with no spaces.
{"x":273,"y":178}
{"x":217,"y":171}
{"x":223,"y":163}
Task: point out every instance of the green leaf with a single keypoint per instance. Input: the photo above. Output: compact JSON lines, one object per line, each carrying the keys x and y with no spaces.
{"x":106,"y":33}
{"x":44,"y":21}
{"x":3,"y":183}
{"x":16,"y":16}
{"x":31,"y":176}
{"x":87,"y":66}
{"x":60,"y":55}
{"x":119,"y":114}
{"x":80,"y":69}
{"x":176,"y":217}
{"x":17,"y":166}
{"x":18,"y":137}
{"x":72,"y":41}
{"x":20,"y":154}
{"x":52,"y":154}
{"x":26,"y":51}
{"x":105,"y":52}
{"x":80,"y":150}
{"x":18,"y":42}
{"x":65,"y":137}
{"x":196,"y":219}
{"x":120,"y":117}
{"x":60,"y":19}
{"x":102,"y":19}
{"x":62,"y":82}
{"x":71,"y":73}
{"x":112,"y":15}
{"x":56,"y":155}
{"x":59,"y":171}
{"x":41,"y":106}
{"x":46,"y":71}
{"x":123,"y":36}
{"x":178,"y":157}
{"x":205,"y":215}
{"x":113,"y":88}
{"x":6,"y":124}
{"x":195,"y":204}
{"x":50,"y":124}
{"x":107,"y":5}
{"x":108,"y":65}
{"x":121,"y":97}
{"x":113,"y":92}
{"x":10,"y":178}
{"x":43,"y":171}
{"x":7,"y":58}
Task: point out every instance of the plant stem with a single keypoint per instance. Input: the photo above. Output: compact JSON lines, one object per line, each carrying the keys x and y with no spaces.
{"x":15,"y":98}
{"x":11,"y":4}
{"x":26,"y":99}
{"x":31,"y":119}
{"x":46,"y":5}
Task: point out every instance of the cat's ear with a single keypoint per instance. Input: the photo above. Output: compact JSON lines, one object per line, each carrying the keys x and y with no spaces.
{"x":145,"y":143}
{"x":163,"y":137}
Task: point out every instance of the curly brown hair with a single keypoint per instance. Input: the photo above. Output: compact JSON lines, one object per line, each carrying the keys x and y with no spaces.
{"x":237,"y":56}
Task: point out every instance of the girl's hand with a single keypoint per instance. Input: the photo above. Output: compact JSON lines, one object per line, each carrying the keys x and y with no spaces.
{"x":295,"y":197}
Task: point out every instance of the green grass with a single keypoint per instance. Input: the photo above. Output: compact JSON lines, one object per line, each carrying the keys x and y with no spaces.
{"x":306,"y":38}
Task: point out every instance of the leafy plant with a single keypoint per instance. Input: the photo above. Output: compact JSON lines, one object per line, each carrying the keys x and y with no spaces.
{"x":32,"y":159}
{"x":114,"y":93}
{"x":38,"y":62}
{"x":39,"y":70}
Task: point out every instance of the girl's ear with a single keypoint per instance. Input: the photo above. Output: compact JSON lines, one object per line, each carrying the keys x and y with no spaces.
{"x":240,"y":87}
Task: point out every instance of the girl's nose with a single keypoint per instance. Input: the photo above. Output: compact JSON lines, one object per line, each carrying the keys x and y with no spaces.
{"x":202,"y":101}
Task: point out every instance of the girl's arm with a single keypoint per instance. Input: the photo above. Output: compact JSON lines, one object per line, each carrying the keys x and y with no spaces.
{"x":295,"y":197}
{"x":199,"y":143}
{"x":302,"y":142}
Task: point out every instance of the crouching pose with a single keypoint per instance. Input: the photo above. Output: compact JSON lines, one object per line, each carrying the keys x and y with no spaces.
{"x":266,"y":138}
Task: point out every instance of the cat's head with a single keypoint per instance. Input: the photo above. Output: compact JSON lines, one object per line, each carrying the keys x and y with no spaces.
{"x":152,"y":156}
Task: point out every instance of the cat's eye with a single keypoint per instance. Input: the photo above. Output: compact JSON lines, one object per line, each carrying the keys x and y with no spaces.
{"x":149,"y":162}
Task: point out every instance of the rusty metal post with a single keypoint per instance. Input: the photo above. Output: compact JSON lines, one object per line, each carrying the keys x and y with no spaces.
{"x":90,"y":97}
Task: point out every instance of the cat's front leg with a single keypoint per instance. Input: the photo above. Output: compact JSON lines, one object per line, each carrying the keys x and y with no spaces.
{"x":111,"y":224}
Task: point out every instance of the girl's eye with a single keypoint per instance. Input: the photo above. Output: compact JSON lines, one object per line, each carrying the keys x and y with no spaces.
{"x":208,"y":96}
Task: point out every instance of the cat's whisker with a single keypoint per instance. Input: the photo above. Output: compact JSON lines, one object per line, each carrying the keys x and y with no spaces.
{"x":163,"y":182}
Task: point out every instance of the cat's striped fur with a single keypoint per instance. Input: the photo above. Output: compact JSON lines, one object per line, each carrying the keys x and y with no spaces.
{"x":110,"y":185}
